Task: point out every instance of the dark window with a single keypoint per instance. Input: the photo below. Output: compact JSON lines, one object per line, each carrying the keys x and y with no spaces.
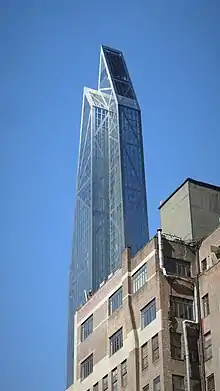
{"x":156,"y":384}
{"x":182,"y":308}
{"x":86,"y":367}
{"x":124,"y":89}
{"x":196,"y":386}
{"x":117,"y":65}
{"x":175,"y":342}
{"x":105,"y":383}
{"x":139,"y":278}
{"x":177,"y":266}
{"x":208,"y":345}
{"x":205,"y":304}
{"x":146,"y":388}
{"x":193,"y":349}
{"x":148,"y":313}
{"x":155,"y":348}
{"x":115,"y":380}
{"x":115,"y":301}
{"x":124,"y":374}
{"x":178,"y":383}
{"x":204,"y":265}
{"x":144,"y":356}
{"x":183,"y":269}
{"x":96,"y":387}
{"x":116,"y":341}
{"x":211,"y":382}
{"x":86,"y":328}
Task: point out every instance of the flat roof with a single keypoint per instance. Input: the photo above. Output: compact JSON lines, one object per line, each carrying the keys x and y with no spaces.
{"x":195,"y":182}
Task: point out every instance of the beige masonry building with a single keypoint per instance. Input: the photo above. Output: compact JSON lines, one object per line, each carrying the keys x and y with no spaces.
{"x":130,"y":333}
{"x":155,"y":324}
{"x":209,"y":284}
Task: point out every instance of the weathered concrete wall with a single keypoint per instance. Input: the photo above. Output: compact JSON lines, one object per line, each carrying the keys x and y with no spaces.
{"x":175,"y":214}
{"x":209,"y":282}
{"x":205,"y":210}
{"x":128,"y":316}
{"x":193,"y":212}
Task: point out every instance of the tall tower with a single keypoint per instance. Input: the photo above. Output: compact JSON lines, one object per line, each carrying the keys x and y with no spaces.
{"x":111,"y":206}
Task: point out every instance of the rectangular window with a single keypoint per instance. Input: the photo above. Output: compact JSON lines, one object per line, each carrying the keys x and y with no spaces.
{"x":208,"y":345}
{"x":178,"y":383}
{"x":193,"y":349}
{"x":211,"y":382}
{"x":204,"y":265}
{"x":115,"y":301}
{"x":182,"y":308}
{"x":116,"y":341}
{"x":155,"y":348}
{"x":148,"y":314}
{"x":156,"y":384}
{"x":178,"y":267}
{"x":86,"y":367}
{"x":205,"y":304}
{"x":114,"y":380}
{"x":124,"y":374}
{"x":183,"y":268}
{"x":195,"y":384}
{"x":146,"y":388}
{"x":86,"y":328}
{"x":175,"y":342}
{"x":144,"y":356}
{"x":139,"y":278}
{"x":96,"y":387}
{"x":105,"y":383}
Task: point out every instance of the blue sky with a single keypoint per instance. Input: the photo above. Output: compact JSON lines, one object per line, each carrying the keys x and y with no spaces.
{"x":49,"y":51}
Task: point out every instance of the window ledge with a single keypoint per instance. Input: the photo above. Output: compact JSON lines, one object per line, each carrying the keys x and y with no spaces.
{"x":207,"y":359}
{"x":138,"y":291}
{"x":115,"y":312}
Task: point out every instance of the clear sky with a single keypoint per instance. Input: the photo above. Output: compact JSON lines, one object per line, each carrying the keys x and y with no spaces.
{"x":49,"y":51}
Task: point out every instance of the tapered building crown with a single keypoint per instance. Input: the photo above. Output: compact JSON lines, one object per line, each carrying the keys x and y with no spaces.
{"x":111,"y":207}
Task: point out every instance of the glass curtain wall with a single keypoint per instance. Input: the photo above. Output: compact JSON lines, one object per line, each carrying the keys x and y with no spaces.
{"x":111,"y":207}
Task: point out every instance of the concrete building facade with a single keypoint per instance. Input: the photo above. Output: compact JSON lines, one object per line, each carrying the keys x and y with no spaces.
{"x":192,"y":211}
{"x":155,"y":323}
{"x":209,"y":284}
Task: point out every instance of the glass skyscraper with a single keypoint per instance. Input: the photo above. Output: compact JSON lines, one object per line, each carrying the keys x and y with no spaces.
{"x":111,"y":207}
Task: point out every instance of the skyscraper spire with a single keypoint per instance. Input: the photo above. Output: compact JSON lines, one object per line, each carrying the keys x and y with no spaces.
{"x":111,"y":206}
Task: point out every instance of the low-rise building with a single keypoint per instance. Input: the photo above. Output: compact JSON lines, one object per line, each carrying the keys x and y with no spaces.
{"x":209,"y":286}
{"x":155,"y":323}
{"x":129,"y":334}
